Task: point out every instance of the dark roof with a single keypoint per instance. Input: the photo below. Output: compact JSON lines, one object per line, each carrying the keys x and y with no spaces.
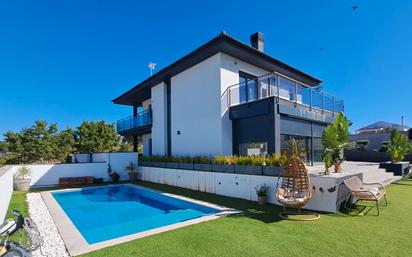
{"x":383,"y":125}
{"x":222,"y":43}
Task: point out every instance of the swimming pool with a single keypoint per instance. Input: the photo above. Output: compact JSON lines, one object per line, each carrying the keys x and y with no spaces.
{"x":108,"y":212}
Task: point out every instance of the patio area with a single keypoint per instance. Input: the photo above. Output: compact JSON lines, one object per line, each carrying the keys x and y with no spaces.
{"x":257,"y":230}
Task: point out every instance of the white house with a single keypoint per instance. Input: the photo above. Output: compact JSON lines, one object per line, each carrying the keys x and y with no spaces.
{"x":227,"y":97}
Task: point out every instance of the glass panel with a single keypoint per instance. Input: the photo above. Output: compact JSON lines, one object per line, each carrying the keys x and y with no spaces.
{"x":273,"y":85}
{"x":234,"y":95}
{"x":305,"y":95}
{"x":253,"y":149}
{"x":251,"y":87}
{"x":316,"y":99}
{"x":304,"y":146}
{"x":287,"y":89}
{"x":242,"y":90}
{"x":328,"y":103}
{"x":263,"y":88}
{"x":317,"y":149}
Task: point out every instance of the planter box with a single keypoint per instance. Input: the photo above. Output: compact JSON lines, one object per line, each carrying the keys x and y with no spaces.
{"x":147,"y":164}
{"x":248,"y":169}
{"x":186,"y":166}
{"x":398,"y":169}
{"x":203,"y":167}
{"x":223,"y":168}
{"x":153,"y":164}
{"x":172,"y":165}
{"x":272,"y":171}
{"x":22,"y":184}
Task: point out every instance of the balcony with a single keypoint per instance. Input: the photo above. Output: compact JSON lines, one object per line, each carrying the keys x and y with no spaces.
{"x":136,"y":123}
{"x":284,"y":88}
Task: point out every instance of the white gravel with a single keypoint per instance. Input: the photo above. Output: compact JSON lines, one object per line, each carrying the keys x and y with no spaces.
{"x":53,"y":245}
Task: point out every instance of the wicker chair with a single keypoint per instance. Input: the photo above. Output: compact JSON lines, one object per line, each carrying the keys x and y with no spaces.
{"x":295,"y":190}
{"x":366,"y":191}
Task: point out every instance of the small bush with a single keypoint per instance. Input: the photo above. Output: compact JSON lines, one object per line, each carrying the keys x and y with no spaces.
{"x":253,"y":160}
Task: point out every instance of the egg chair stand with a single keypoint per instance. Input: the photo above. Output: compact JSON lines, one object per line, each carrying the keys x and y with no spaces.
{"x":295,"y":191}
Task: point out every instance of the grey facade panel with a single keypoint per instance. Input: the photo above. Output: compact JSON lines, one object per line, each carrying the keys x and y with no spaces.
{"x":291,"y":126}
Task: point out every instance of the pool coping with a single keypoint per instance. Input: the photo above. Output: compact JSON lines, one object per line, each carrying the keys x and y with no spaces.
{"x":77,"y":245}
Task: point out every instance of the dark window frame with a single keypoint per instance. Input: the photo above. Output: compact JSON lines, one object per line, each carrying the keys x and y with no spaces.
{"x":248,"y":77}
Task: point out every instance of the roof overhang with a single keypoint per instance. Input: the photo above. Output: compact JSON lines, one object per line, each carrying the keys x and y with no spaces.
{"x":222,"y":43}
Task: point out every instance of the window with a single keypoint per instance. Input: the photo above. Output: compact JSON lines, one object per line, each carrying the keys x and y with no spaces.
{"x":253,"y":149}
{"x":303,"y":143}
{"x":247,"y":87}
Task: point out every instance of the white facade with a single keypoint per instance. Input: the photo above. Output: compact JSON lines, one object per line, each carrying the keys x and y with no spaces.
{"x":199,"y":125}
{"x":159,"y":127}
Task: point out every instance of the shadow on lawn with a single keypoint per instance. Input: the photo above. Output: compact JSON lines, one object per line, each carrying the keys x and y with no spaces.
{"x":267,"y":213}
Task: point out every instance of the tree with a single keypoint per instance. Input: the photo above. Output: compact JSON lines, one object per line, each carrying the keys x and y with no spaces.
{"x":334,"y":139}
{"x":3,"y":146}
{"x":34,"y":144}
{"x":398,"y":147}
{"x":65,"y":143}
{"x":96,"y":136}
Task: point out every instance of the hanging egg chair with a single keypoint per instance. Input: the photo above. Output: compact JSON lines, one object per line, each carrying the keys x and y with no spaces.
{"x":295,"y":191}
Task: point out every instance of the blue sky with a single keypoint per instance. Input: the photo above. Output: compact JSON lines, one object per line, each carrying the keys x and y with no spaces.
{"x":63,"y":61}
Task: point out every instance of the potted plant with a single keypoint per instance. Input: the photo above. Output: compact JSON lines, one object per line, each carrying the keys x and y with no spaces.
{"x":262,"y":192}
{"x":397,"y":148}
{"x":131,"y":169}
{"x":334,"y":140}
{"x":22,"y":178}
{"x":113,"y":176}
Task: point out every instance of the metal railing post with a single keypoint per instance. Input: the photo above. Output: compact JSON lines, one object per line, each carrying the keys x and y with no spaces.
{"x":278,"y":90}
{"x":310,"y":98}
{"x":269,"y":90}
{"x":296,"y":94}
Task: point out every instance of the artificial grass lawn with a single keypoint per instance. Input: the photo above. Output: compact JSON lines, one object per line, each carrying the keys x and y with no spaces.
{"x":258,"y":231}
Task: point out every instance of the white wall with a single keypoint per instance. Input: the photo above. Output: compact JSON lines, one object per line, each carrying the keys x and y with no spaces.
{"x":195,"y":109}
{"x":6,"y":190}
{"x":243,"y":186}
{"x":159,"y":116}
{"x":145,"y":104}
{"x":49,"y":174}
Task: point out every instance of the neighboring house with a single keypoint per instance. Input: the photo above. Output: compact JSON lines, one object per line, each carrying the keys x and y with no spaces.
{"x":381,"y":127}
{"x":228,"y":98}
{"x":377,"y":134}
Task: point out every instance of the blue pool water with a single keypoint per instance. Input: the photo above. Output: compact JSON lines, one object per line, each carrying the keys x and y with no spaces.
{"x":104,"y":213}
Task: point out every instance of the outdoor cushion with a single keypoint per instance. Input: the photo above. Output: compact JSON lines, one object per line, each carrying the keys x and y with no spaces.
{"x":374,"y":190}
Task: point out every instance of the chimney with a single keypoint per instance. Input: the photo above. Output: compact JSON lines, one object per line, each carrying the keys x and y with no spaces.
{"x":257,"y":40}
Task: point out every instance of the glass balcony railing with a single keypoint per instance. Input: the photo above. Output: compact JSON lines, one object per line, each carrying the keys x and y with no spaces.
{"x":280,"y":86}
{"x":136,"y":121}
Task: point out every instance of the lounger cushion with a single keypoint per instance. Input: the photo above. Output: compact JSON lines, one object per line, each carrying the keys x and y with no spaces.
{"x":374,"y":190}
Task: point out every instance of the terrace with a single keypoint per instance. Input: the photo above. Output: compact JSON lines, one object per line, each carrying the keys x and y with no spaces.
{"x":141,"y":122}
{"x":284,"y":89}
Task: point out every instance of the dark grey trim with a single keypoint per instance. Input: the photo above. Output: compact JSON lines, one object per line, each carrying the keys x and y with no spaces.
{"x":168,"y":118}
{"x":222,"y":43}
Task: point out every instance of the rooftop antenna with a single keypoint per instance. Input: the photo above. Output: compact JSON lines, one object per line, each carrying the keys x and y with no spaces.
{"x":152,"y":66}
{"x":402,"y":123}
